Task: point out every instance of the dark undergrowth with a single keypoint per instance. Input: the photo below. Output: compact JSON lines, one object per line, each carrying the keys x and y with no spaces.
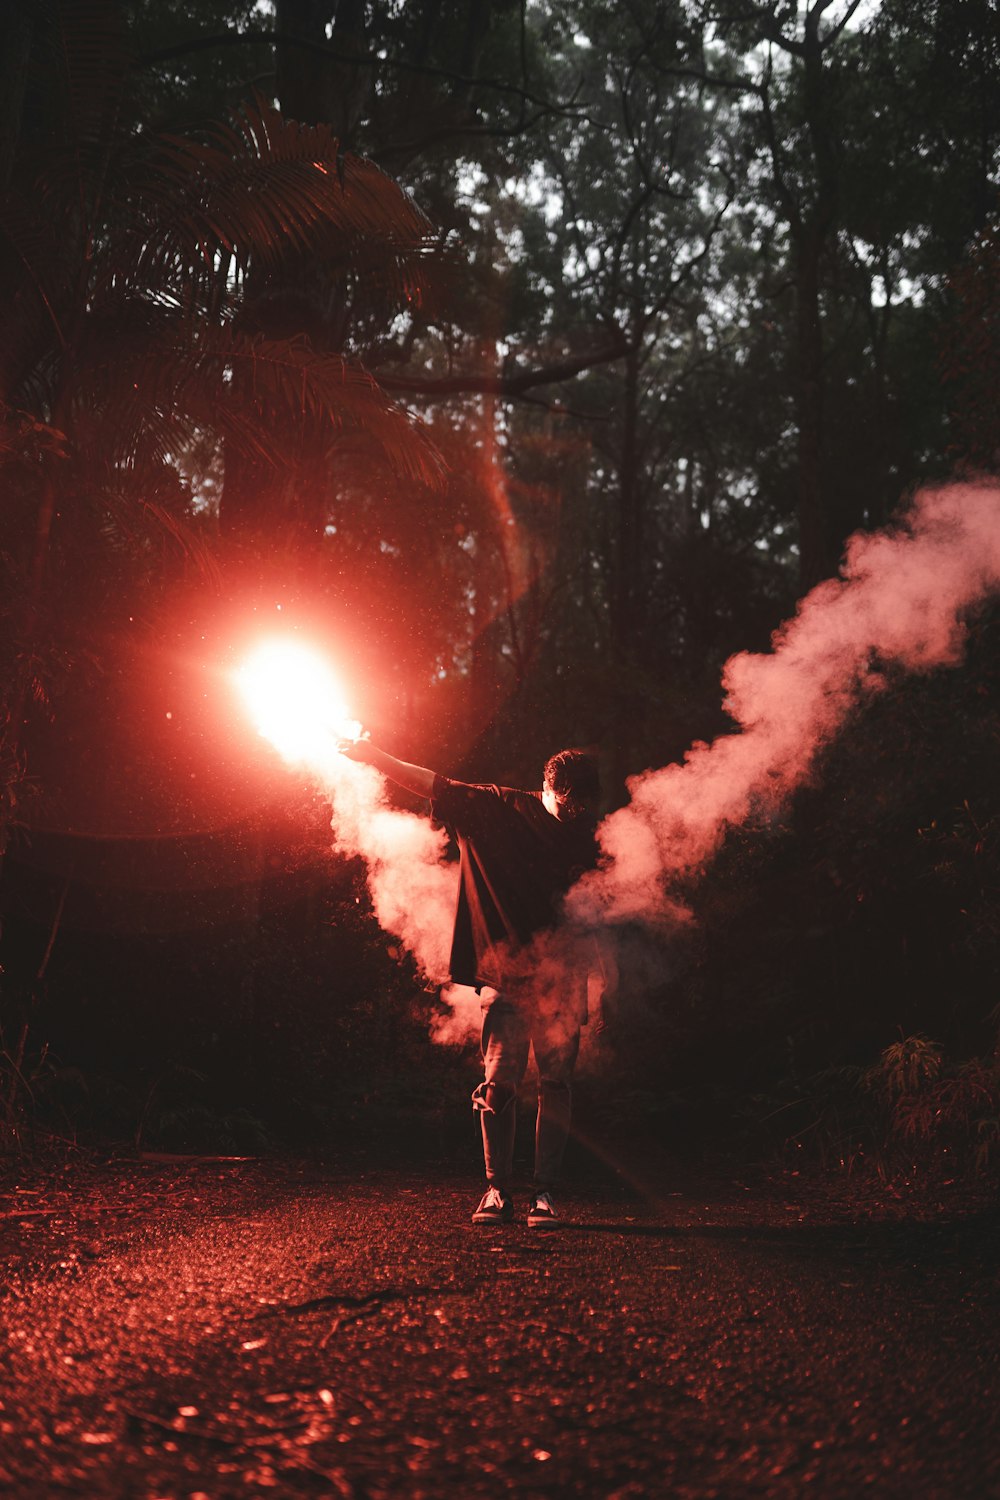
{"x":831,"y":1008}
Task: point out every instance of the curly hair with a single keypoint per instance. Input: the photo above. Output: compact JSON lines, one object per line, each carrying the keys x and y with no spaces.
{"x":573,"y":776}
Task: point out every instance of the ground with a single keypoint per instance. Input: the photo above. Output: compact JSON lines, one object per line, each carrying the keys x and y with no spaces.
{"x":294,"y":1327}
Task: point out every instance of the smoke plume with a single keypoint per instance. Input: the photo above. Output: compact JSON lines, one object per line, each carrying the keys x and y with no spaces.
{"x":900,"y":602}
{"x":413,"y":888}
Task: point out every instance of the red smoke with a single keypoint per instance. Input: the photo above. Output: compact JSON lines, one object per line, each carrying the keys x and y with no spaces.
{"x":413,"y":890}
{"x":900,"y":600}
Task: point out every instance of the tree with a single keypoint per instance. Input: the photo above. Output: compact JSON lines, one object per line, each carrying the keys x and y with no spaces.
{"x":125,"y":254}
{"x":928,"y":224}
{"x":791,"y":74}
{"x":123,"y":259}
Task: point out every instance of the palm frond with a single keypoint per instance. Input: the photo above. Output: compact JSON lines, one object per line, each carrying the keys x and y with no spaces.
{"x":147,"y":378}
{"x":25,"y":437}
{"x":290,"y":378}
{"x":262,"y":188}
{"x":188,"y":538}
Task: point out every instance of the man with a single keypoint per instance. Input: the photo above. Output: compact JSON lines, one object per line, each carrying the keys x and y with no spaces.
{"x":520,"y":853}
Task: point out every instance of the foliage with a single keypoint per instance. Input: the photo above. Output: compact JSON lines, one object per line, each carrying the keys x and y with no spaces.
{"x":859,"y":925}
{"x":971,"y":351}
{"x":292,"y":1011}
{"x":125,"y":255}
{"x":221,"y":322}
{"x":914,"y":1114}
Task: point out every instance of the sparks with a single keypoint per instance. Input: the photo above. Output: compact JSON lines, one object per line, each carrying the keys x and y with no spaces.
{"x":295,"y":701}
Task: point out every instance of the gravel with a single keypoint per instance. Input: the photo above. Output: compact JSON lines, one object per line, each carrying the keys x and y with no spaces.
{"x":178,"y":1328}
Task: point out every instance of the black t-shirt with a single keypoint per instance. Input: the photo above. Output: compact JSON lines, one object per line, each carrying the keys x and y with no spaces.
{"x":518,"y":861}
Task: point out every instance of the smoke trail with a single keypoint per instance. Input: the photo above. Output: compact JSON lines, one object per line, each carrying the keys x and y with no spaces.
{"x":413,"y":889}
{"x":900,"y":601}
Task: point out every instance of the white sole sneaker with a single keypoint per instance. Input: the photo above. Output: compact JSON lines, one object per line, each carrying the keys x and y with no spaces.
{"x":545,"y":1218}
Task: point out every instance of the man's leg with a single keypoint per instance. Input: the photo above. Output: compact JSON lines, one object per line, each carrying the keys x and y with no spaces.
{"x":505,"y":1042}
{"x":556,"y":1041}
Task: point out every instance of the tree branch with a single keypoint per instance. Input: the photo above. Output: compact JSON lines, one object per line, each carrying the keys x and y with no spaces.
{"x":373,"y":60}
{"x":835,"y":31}
{"x":405,"y":151}
{"x":714,"y":80}
{"x":507,"y":382}
{"x":784,"y":191}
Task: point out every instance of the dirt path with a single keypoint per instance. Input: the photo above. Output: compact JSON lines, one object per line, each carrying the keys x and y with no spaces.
{"x":286,"y":1328}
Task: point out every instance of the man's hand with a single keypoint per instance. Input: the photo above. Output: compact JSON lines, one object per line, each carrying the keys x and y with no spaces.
{"x":360,"y":749}
{"x":416,"y":779}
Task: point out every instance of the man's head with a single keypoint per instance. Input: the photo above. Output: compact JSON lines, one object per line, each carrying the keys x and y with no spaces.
{"x":571,"y":784}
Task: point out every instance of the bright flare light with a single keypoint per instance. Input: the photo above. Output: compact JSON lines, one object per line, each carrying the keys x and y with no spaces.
{"x":295,"y":701}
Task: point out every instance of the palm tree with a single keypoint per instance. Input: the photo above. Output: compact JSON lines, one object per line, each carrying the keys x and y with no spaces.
{"x":140,"y":275}
{"x":136,"y":274}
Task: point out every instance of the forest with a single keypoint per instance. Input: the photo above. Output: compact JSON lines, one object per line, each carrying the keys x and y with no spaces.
{"x":568,"y":373}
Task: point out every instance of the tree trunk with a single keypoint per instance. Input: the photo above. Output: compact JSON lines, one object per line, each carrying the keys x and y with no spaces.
{"x":627,"y":590}
{"x":819,"y":547}
{"x":318,"y":89}
{"x":815,"y":545}
{"x":262,"y":506}
{"x":16,"y":30}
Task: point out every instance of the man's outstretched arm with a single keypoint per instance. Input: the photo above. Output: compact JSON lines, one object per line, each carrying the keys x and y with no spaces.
{"x":416,"y":779}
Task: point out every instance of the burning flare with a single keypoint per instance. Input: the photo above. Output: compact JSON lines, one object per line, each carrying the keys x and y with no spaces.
{"x":295,"y":701}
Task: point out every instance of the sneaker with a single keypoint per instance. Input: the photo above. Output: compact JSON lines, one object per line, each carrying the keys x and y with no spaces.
{"x":494,"y":1208}
{"x":542,"y":1213}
